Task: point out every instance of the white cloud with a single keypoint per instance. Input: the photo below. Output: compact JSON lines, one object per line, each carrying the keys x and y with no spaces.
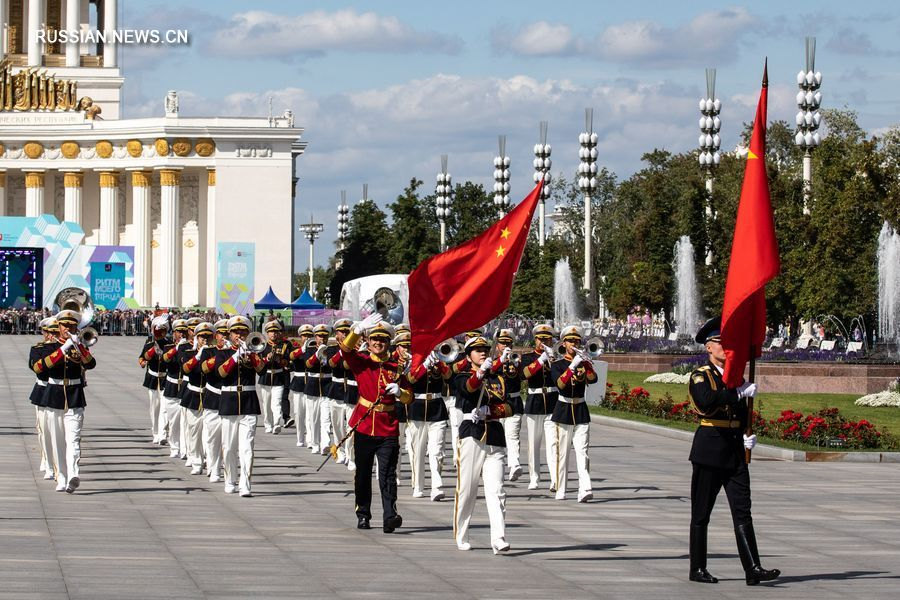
{"x":647,"y":43}
{"x":260,"y":34}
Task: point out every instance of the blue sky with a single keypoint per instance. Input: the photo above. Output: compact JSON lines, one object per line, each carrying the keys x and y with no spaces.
{"x":384,"y":88}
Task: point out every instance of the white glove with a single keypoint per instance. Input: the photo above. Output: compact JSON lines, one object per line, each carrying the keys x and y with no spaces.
{"x":239,"y":353}
{"x":550,"y":352}
{"x":747,"y":390}
{"x":320,"y":352}
{"x":74,"y":339}
{"x":577,"y":360}
{"x":504,"y":356}
{"x":194,"y":345}
{"x":430,"y":361}
{"x":544,"y":358}
{"x":749,"y":441}
{"x":480,"y":413}
{"x":360,"y":327}
{"x":484,"y":368}
{"x":67,"y":345}
{"x":392,"y":389}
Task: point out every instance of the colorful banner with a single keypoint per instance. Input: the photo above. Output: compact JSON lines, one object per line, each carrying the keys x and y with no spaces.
{"x":234,"y":280}
{"x":107,"y":284}
{"x":21,"y":277}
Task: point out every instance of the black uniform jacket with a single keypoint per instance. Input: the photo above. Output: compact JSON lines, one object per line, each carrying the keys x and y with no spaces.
{"x":716,"y":445}
{"x":490,"y":431}
{"x":211,"y":381}
{"x":192,"y":375}
{"x":426,"y":386}
{"x":65,"y":377}
{"x":40,"y":383}
{"x":571,"y":385}
{"x":238,"y":385}
{"x":155,"y":373}
{"x":538,"y":378}
{"x":298,"y":370}
{"x":512,"y":376}
{"x":173,"y":370}
{"x":275,"y":372}
{"x":318,"y":375}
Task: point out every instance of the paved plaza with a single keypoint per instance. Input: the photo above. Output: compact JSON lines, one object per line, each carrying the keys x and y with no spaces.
{"x":141,"y":527}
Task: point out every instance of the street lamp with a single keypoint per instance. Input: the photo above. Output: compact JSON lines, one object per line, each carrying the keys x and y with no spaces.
{"x":311,"y":232}
{"x":444,"y":193}
{"x":542,"y":165}
{"x":501,"y":178}
{"x":710,"y":142}
{"x":343,"y":226}
{"x":809,"y":98}
{"x":587,"y":181}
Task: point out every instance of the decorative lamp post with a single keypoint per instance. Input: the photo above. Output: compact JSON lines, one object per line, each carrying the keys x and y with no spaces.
{"x":343,"y":226}
{"x":444,"y":193}
{"x":542,"y":165}
{"x":809,"y":98}
{"x":311,"y":232}
{"x":501,"y":179}
{"x":587,"y":182}
{"x":710,"y":142}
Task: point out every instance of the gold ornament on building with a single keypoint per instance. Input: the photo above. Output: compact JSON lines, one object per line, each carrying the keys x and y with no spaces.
{"x":205,"y":147}
{"x":162,"y":147}
{"x":73,"y":179}
{"x":2,"y":178}
{"x":181,"y":147}
{"x":189,"y":243}
{"x":211,"y":177}
{"x":140,"y":178}
{"x":70,"y":149}
{"x":135,"y":148}
{"x":2,"y":149}
{"x":30,"y":89}
{"x":169,"y":177}
{"x":104,"y":149}
{"x":34,"y":179}
{"x":154,"y":244}
{"x":109,"y":179}
{"x":33,"y":149}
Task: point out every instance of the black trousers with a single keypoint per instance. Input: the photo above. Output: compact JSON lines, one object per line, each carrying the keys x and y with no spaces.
{"x":705,"y":485}
{"x":387,"y":450}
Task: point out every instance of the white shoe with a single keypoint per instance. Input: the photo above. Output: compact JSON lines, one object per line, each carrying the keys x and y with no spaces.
{"x":515,"y":473}
{"x":245,"y":493}
{"x":300,"y":444}
{"x":418,"y":494}
{"x":463,"y":546}
{"x":533,"y":485}
{"x":437,"y":496}
{"x":586,"y":496}
{"x":49,"y":475}
{"x":314,"y":449}
{"x":230,"y":488}
{"x":268,"y":430}
{"x":500,"y":545}
{"x":60,"y":487}
{"x":214,"y":479}
{"x":173,"y":454}
{"x":351,"y":466}
{"x":197,"y":470}
{"x":560,"y":495}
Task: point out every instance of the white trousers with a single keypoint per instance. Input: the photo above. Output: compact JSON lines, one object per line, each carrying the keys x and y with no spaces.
{"x":212,"y":441}
{"x":338,"y":425}
{"x":313,"y":434}
{"x":270,"y":403}
{"x":238,"y":433}
{"x":455,"y":420}
{"x":64,"y":428}
{"x":348,"y":445}
{"x":42,"y":439}
{"x":325,"y":432}
{"x":476,"y":460}
{"x":511,"y":427}
{"x":579,"y":438}
{"x":194,"y":436}
{"x":541,"y":429}
{"x":182,"y":418}
{"x":425,"y":438}
{"x":298,"y":412}
{"x":173,"y":416}
{"x":157,"y":414}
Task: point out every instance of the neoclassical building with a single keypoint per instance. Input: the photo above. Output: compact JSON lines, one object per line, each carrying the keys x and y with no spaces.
{"x":175,"y":188}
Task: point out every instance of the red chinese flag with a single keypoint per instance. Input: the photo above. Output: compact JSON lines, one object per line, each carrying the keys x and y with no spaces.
{"x":467,"y":286}
{"x":754,"y":258}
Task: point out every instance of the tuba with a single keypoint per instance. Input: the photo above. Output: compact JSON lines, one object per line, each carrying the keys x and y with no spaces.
{"x":387,"y":303}
{"x":447,"y":351}
{"x":594,"y":347}
{"x":75,"y":298}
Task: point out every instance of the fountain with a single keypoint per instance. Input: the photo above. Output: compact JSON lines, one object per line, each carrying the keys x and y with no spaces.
{"x":687,"y":295}
{"x":888,"y":285}
{"x":565,"y":300}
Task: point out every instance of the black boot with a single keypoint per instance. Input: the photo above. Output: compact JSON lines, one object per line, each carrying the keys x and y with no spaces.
{"x":363,"y":523}
{"x":392,"y":523}
{"x":698,"y":556}
{"x":746,"y":543}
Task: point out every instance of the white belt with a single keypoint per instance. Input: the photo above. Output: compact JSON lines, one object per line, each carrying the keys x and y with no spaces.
{"x":337,"y":380}
{"x":297,"y":374}
{"x":431,"y":396}
{"x":234,"y":388}
{"x":214,"y":390}
{"x":40,"y":381}
{"x":570,"y":400}
{"x":194,"y":388}
{"x":515,"y":395}
{"x":351,"y":382}
{"x":541,"y":390}
{"x":273,"y":371}
{"x":153,"y":373}
{"x":53,"y":381}
{"x":172,"y":379}
{"x":318,"y":375}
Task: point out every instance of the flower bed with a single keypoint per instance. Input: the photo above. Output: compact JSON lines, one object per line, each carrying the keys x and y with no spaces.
{"x":826,"y":427}
{"x":682,"y":379}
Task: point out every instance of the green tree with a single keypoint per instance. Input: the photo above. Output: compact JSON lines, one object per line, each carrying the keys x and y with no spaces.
{"x":414,"y":233}
{"x":367,"y":244}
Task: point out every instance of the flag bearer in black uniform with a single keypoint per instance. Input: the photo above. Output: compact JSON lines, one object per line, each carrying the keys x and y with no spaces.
{"x":428,"y":419}
{"x":173,"y":384}
{"x":344,"y":388}
{"x":238,"y":405}
{"x":718,"y":459}
{"x":193,"y":395}
{"x":155,"y":376}
{"x":539,"y":405}
{"x":296,"y":384}
{"x":461,"y":365}
{"x":271,"y":378}
{"x":512,"y":376}
{"x":572,"y":421}
{"x":212,"y":391}
{"x":481,"y":395}
{"x":65,"y":362}
{"x":49,"y":329}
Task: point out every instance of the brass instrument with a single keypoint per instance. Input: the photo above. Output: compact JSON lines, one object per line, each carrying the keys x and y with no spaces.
{"x":447,"y":351}
{"x":75,"y":298}
{"x":594,"y":347}
{"x":386,"y":303}
{"x":88,"y":336}
{"x":255,"y":342}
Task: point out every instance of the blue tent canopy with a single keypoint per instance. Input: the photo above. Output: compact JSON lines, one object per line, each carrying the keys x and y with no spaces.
{"x":270,"y":300}
{"x":305,"y":301}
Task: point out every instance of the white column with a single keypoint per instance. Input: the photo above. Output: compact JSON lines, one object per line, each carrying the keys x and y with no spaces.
{"x":212,"y":267}
{"x":140,"y":197}
{"x":2,"y":181}
{"x":34,"y":193}
{"x":3,"y":25}
{"x":541,"y":219}
{"x":807,"y":180}
{"x":109,"y":25}
{"x":190,"y":264}
{"x":170,"y":244}
{"x":73,"y":182}
{"x":109,"y":208}
{"x":73,"y":23}
{"x":35,"y":21}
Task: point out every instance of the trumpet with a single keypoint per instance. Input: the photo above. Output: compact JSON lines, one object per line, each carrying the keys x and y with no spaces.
{"x":591,"y":349}
{"x":448,"y":350}
{"x":88,"y":336}
{"x":255,"y":342}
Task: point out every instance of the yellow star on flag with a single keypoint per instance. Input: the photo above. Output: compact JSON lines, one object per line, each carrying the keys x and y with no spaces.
{"x":500,"y":251}
{"x":750,"y":154}
{"x":505,"y":233}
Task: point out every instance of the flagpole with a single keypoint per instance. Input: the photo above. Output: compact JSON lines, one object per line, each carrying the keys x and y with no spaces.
{"x":749,"y":430}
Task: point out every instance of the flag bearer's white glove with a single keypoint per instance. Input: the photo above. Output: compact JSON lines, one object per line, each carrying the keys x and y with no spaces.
{"x":749,"y":441}
{"x":504,"y":357}
{"x":481,"y":413}
{"x":747,"y":390}
{"x":360,"y":327}
{"x":392,"y":389}
{"x":484,"y":368}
